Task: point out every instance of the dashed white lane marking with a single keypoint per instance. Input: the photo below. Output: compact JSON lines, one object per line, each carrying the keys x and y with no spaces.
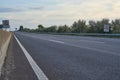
{"x":94,"y":49}
{"x":89,"y":48}
{"x":91,"y":41}
{"x":39,"y":73}
{"x":57,"y":41}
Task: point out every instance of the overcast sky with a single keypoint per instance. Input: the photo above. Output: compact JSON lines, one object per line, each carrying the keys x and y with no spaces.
{"x":30,"y":13}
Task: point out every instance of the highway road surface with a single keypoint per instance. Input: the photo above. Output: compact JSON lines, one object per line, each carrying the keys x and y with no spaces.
{"x":63,"y":57}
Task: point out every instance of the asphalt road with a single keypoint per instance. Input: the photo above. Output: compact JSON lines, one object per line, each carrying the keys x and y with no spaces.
{"x":74,"y":57}
{"x":16,"y":65}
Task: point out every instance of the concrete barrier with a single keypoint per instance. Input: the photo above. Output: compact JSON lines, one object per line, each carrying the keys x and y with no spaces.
{"x":4,"y":42}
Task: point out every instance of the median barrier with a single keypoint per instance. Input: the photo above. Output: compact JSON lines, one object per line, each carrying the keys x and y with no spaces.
{"x":5,"y":37}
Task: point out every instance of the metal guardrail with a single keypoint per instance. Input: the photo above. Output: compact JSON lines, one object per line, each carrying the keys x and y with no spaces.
{"x":81,"y":34}
{"x":88,"y":34}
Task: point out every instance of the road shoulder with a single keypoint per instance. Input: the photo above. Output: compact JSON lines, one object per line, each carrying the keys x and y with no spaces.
{"x":16,"y":66}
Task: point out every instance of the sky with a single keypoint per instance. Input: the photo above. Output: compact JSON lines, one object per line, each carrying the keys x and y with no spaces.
{"x":30,"y":13}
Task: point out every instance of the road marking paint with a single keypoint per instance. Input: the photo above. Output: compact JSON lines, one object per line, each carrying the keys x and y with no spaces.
{"x":89,"y":48}
{"x":94,"y":49}
{"x":92,"y":41}
{"x":57,"y":41}
{"x":39,"y":73}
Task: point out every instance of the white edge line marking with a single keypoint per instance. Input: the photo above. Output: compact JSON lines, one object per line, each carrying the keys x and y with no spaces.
{"x":57,"y":41}
{"x":39,"y":73}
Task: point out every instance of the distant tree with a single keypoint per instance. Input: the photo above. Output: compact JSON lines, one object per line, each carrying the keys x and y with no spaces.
{"x":74,"y":27}
{"x":40,"y":28}
{"x":115,"y":25}
{"x":82,"y":26}
{"x":21,"y":28}
{"x":51,"y":29}
{"x":79,"y":26}
{"x":26,"y":30}
{"x":64,"y":29}
{"x":100,"y":25}
{"x":92,"y":27}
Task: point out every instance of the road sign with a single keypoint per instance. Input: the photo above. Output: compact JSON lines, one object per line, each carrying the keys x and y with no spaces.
{"x":1,"y":26}
{"x":6,"y":24}
{"x":106,"y":28}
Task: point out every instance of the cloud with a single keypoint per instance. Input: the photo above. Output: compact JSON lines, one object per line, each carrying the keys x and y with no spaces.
{"x":6,"y":10}
{"x":55,"y":12}
{"x":37,"y":8}
{"x":91,"y":9}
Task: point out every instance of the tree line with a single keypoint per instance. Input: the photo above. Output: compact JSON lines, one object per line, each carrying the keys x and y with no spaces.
{"x":80,"y":26}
